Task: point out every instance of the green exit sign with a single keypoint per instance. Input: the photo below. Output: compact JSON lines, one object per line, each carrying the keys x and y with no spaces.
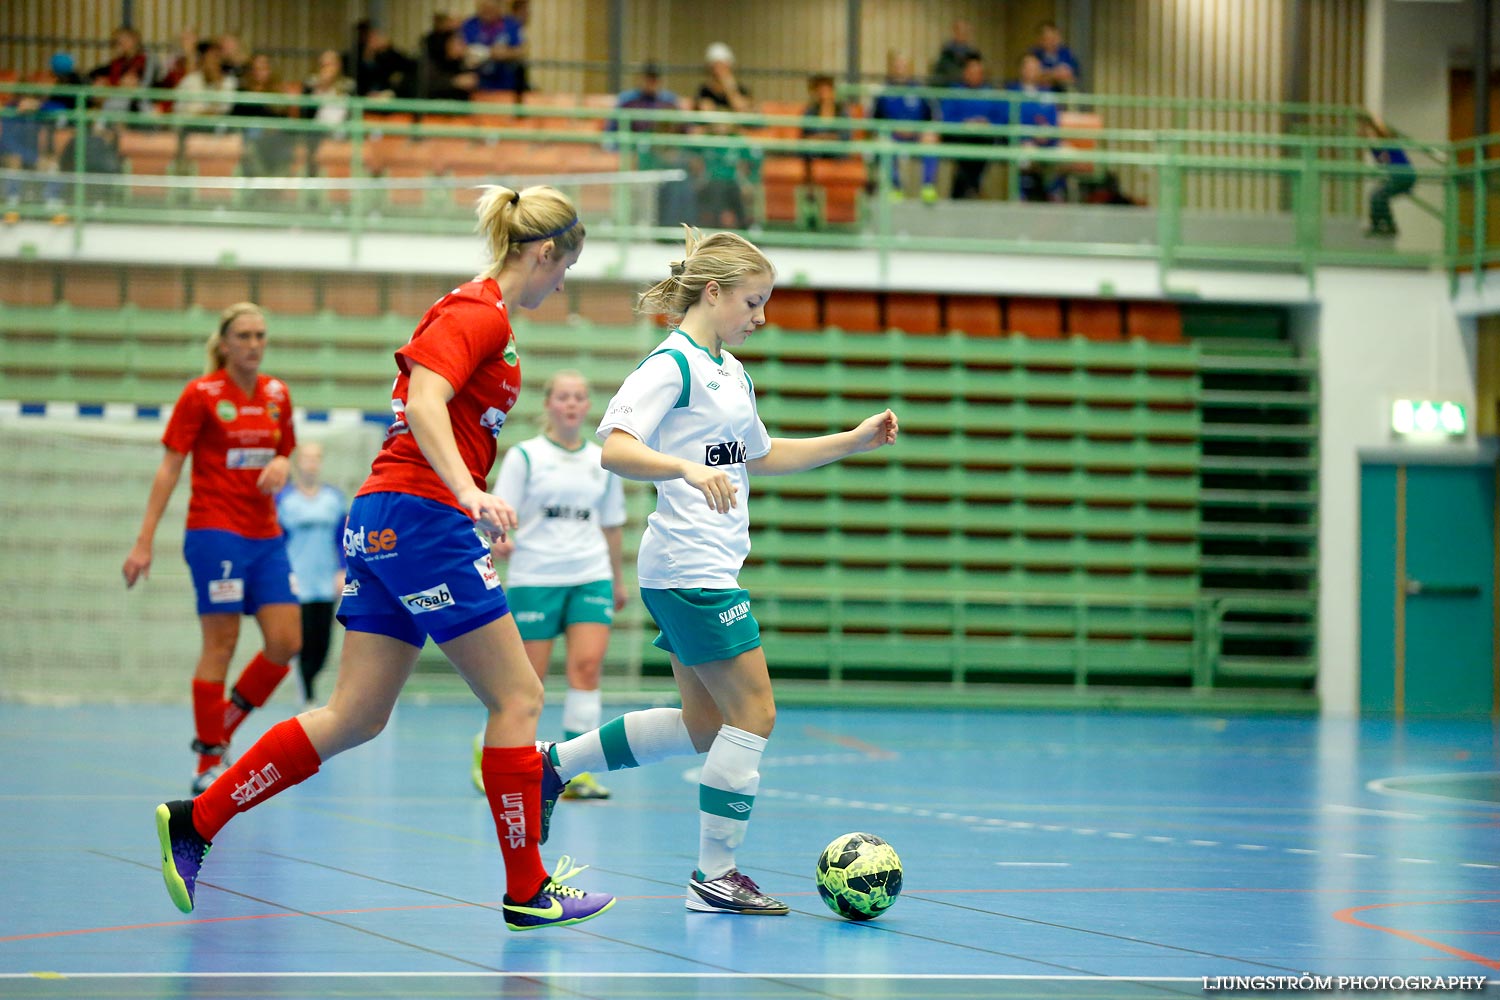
{"x":1428,"y":418}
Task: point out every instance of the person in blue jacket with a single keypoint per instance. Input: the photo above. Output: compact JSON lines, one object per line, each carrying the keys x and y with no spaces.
{"x":1400,"y":176}
{"x":312,"y":514}
{"x":971,"y":109}
{"x":1037,"y":107}
{"x":1060,"y":69}
{"x":906,"y":107}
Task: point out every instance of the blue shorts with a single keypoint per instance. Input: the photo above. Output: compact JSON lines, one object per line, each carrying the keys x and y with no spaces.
{"x":235,"y":575}
{"x":416,"y":568}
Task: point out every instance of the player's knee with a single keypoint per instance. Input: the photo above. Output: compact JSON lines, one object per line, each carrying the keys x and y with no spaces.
{"x":583,"y":675}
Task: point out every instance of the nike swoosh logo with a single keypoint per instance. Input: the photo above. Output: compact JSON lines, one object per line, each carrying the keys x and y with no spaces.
{"x":547,"y":913}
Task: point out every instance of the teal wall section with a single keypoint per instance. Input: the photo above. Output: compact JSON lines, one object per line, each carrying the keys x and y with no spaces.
{"x":1377,"y":589}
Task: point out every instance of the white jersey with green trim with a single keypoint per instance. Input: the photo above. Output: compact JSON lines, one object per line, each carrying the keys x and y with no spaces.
{"x":563,"y":498}
{"x":684,"y":402}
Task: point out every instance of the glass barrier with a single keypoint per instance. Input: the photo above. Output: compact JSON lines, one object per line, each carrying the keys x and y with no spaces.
{"x":1228,"y":183}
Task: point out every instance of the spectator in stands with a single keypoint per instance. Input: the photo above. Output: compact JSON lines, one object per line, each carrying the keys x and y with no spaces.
{"x":948,"y":68}
{"x":101,"y":155}
{"x":1060,"y":69}
{"x":332,"y":88}
{"x":383,"y":70}
{"x":435,"y":41}
{"x":183,"y":63}
{"x":199,"y":87}
{"x":236,"y":423}
{"x":972,"y":110}
{"x":126,"y":104}
{"x":515,"y":36}
{"x":269,"y":150}
{"x":823,"y":102}
{"x":26,"y":138}
{"x":233,"y":56}
{"x":1037,"y":107}
{"x":906,"y":107}
{"x":648,"y":95}
{"x":125,"y":54}
{"x":443,"y":76}
{"x":720,"y":91}
{"x":496,"y":47}
{"x":721,"y":175}
{"x":1399,"y":175}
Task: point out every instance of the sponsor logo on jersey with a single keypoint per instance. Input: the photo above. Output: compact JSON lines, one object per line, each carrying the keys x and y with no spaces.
{"x":274,"y":412}
{"x":621,"y":409}
{"x":226,"y":591}
{"x":713,"y":385}
{"x":492,"y":420}
{"x":510,"y":355}
{"x":351,"y":588}
{"x":724,"y":453}
{"x":432,"y":599}
{"x":735,"y":613}
{"x":256,"y":785}
{"x":564,"y":511}
{"x":248,"y":458}
{"x":225,"y":410}
{"x":372,"y":543}
{"x":485,"y":566}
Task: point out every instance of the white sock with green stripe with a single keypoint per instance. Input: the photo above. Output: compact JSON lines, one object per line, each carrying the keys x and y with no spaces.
{"x":581,"y":711}
{"x":631,"y":740}
{"x":726,"y":794}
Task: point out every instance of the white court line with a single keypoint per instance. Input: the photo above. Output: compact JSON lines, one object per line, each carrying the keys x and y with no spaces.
{"x":1385,"y":786}
{"x":553,"y":974}
{"x":1335,"y":807}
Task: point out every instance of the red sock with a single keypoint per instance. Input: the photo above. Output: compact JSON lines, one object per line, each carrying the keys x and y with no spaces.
{"x":513,"y":784}
{"x":280,"y":759}
{"x":255,"y":685}
{"x":208,"y":719}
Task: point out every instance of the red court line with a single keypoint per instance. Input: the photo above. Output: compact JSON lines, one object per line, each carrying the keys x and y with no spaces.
{"x":850,"y":742}
{"x":41,"y":935}
{"x":1347,"y":916}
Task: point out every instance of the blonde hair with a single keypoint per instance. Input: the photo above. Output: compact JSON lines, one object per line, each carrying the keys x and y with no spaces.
{"x":550,"y":386}
{"x":509,"y":219}
{"x":725,"y":258}
{"x":214,"y":350}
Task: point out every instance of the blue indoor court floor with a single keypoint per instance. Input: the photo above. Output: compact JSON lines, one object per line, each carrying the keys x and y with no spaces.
{"x":1046,"y":854}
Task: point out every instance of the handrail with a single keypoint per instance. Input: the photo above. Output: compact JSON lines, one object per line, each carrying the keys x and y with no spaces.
{"x":1317,"y":175}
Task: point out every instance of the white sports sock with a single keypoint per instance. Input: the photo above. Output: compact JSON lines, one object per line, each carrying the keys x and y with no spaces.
{"x":726,"y":794}
{"x":630,"y":740}
{"x":581,"y":711}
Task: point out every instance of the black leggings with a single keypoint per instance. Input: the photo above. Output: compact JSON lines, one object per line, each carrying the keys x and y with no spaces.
{"x":317,"y":626}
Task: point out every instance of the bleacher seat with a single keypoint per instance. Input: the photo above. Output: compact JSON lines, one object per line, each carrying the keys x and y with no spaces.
{"x":286,"y":293}
{"x":1035,"y":317}
{"x":840,"y":189}
{"x":913,"y":313}
{"x":783,"y":180}
{"x":794,"y":309}
{"x":1096,"y":319}
{"x":216,"y":289}
{"x":210,"y":155}
{"x":148,"y":154}
{"x":1158,"y":321}
{"x":853,"y":311}
{"x":976,"y":315}
{"x":93,"y":288}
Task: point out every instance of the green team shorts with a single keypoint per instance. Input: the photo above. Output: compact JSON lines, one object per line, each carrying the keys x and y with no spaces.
{"x":698,"y":625}
{"x":546,"y":612}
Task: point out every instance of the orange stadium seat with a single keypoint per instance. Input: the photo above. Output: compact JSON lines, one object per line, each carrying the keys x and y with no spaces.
{"x":211,"y":155}
{"x":1091,"y":120}
{"x":913,"y":313}
{"x":1096,"y":319}
{"x":1159,"y":321}
{"x":782,"y":179}
{"x":352,"y":294}
{"x":335,"y":159}
{"x":213,"y":290}
{"x":149,"y":154}
{"x":842,"y":183}
{"x":779,"y":131}
{"x":976,"y":315}
{"x":156,"y":288}
{"x":287,"y":293}
{"x":794,"y":309}
{"x":852,"y":311}
{"x":607,"y":304}
{"x":412,"y":295}
{"x":92,"y":287}
{"x":1036,"y":317}
{"x":26,"y":284}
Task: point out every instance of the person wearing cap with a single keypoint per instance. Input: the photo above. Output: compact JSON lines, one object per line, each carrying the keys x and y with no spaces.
{"x":721,"y":91}
{"x":647,"y":95}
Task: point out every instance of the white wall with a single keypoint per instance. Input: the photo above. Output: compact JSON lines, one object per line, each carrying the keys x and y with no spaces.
{"x":1381,"y":335}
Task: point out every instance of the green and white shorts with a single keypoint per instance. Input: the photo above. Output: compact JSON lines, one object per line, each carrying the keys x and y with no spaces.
{"x":699,"y":625}
{"x":546,"y":612}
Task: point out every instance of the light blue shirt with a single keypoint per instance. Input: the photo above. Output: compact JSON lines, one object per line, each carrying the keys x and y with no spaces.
{"x":314,"y":527}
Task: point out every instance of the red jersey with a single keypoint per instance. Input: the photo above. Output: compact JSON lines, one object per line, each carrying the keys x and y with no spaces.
{"x":466,"y":338}
{"x":231,"y":438}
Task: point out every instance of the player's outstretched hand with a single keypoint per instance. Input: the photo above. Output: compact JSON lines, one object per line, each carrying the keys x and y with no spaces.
{"x":715,"y":486}
{"x":876,"y":432}
{"x":494,"y":517}
{"x":137,"y":564}
{"x":273,"y":476}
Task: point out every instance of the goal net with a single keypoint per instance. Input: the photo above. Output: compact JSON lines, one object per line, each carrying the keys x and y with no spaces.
{"x":74,"y":492}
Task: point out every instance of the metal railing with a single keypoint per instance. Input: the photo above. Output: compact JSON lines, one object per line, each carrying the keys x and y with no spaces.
{"x":1273,"y":195}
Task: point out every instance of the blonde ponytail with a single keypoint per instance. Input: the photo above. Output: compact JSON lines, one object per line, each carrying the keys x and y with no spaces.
{"x":726,"y":258}
{"x":509,"y":219}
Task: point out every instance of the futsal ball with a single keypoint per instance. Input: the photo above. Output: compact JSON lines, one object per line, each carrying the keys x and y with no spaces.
{"x":859,"y":876}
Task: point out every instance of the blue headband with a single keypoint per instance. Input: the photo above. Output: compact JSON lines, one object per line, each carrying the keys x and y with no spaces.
{"x":548,"y":236}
